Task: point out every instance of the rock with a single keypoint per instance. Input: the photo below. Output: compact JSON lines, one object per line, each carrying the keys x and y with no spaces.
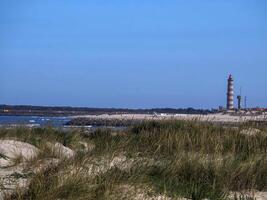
{"x":5,"y":162}
{"x":13,"y":176}
{"x":13,"y":149}
{"x":62,"y":151}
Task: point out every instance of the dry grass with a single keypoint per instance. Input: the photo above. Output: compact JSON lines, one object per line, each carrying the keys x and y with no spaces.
{"x":177,"y":159}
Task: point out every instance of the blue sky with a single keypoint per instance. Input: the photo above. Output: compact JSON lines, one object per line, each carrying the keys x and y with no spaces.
{"x":136,"y":54}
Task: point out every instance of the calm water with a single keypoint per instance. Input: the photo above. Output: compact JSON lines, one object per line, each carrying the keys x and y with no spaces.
{"x":33,"y":121}
{"x":39,"y":121}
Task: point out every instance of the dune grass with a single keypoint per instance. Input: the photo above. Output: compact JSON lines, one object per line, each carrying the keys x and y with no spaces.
{"x":178,"y":159}
{"x":38,"y":136}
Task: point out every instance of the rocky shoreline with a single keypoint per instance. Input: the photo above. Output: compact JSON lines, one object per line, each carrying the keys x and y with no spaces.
{"x":83,"y":121}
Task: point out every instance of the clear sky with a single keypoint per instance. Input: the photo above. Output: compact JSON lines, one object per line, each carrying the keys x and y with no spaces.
{"x":132,"y":53}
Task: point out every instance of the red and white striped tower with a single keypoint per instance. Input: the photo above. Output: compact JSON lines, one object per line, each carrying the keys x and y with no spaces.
{"x":230,"y":93}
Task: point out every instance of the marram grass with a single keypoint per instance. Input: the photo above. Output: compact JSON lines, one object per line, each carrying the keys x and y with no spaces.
{"x":178,"y":159}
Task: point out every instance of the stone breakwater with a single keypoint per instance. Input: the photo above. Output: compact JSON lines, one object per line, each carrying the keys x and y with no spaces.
{"x":84,"y":121}
{"x":132,"y":119}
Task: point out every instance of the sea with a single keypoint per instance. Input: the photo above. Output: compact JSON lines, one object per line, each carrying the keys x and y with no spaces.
{"x":44,"y":121}
{"x":33,"y":121}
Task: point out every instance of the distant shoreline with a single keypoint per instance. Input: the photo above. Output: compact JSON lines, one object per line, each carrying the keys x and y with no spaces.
{"x":27,"y":110}
{"x":125,"y":117}
{"x":131,"y":119}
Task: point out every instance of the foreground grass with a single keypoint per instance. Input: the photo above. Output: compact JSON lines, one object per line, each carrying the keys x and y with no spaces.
{"x":177,"y":159}
{"x":39,"y":136}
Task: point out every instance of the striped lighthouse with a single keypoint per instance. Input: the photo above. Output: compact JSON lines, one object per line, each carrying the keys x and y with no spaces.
{"x":230,"y":93}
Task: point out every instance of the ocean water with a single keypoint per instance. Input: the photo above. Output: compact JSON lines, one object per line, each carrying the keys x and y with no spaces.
{"x":33,"y":121}
{"x":40,"y":121}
